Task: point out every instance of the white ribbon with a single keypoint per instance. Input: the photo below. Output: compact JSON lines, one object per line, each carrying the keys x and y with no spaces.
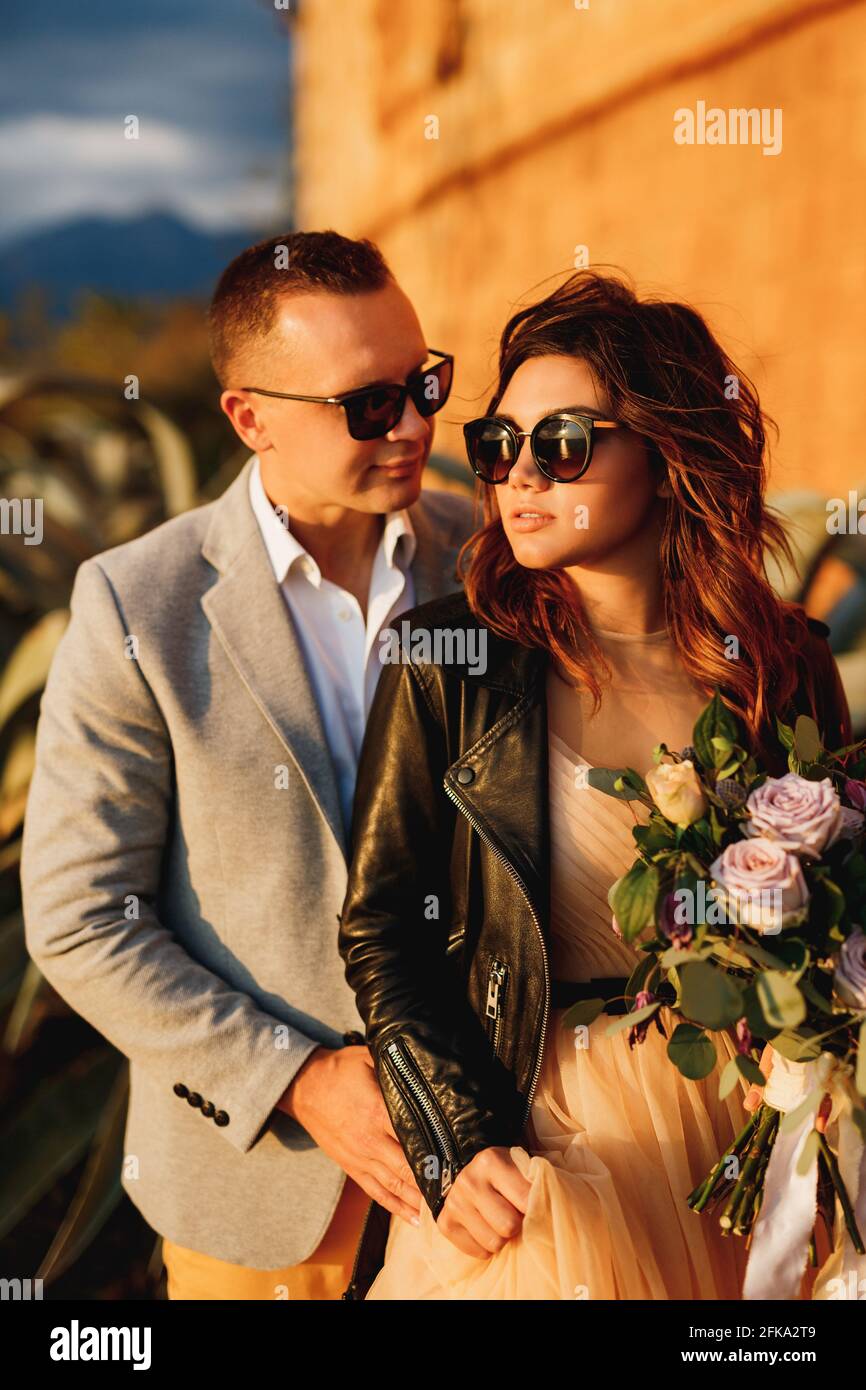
{"x":779,"y":1246}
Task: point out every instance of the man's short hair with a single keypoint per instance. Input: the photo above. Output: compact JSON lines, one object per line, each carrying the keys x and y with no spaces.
{"x":244,"y":307}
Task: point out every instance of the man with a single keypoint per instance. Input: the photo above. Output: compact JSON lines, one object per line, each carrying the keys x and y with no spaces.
{"x":184,"y":857}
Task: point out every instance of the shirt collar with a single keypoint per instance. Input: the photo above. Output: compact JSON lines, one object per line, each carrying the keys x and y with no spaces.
{"x":285,"y":550}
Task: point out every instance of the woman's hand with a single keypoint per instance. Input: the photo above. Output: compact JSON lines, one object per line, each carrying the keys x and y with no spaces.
{"x":486,"y":1204}
{"x":755,"y":1094}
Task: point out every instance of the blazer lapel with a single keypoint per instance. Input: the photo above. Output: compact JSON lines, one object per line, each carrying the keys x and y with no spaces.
{"x":249,"y":615}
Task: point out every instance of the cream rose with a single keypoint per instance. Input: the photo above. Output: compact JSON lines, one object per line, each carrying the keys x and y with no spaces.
{"x":765,"y":883}
{"x":802,"y":816}
{"x":676,"y":790}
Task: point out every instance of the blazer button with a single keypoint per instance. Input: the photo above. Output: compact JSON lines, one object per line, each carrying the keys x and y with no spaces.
{"x":221,"y":1118}
{"x":194,"y":1099}
{"x":208,"y":1109}
{"x":180,"y":1090}
{"x":465,"y":775}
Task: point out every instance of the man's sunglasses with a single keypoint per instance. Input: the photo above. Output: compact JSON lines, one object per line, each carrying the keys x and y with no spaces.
{"x":561,"y":445}
{"x":372,"y":411}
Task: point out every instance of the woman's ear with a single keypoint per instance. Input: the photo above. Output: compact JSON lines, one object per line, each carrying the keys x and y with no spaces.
{"x":659,"y":467}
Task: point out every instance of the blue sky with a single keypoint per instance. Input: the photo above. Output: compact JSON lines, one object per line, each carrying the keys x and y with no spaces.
{"x":209,"y":82}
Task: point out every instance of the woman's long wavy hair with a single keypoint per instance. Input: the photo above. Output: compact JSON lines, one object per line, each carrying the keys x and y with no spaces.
{"x":667,"y":378}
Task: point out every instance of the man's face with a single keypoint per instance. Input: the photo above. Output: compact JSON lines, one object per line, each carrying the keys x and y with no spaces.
{"x":322,"y":345}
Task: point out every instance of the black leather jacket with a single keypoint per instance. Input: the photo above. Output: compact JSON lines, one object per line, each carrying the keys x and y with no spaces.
{"x":443,"y":930}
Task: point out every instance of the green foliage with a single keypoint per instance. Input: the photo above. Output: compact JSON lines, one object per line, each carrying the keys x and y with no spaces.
{"x":105,"y":469}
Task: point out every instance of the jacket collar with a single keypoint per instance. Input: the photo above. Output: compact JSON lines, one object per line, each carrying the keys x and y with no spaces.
{"x":249,"y":617}
{"x":502,"y":779}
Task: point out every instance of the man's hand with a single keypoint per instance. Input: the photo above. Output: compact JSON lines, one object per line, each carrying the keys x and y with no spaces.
{"x":486,"y":1204}
{"x":335,"y":1096}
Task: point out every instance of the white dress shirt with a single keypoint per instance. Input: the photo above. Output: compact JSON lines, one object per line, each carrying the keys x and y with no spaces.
{"x":341,"y":650}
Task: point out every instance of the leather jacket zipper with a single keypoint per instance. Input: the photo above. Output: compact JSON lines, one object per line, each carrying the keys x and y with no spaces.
{"x":410,"y":1075}
{"x":521,"y":885}
{"x":495,"y":990}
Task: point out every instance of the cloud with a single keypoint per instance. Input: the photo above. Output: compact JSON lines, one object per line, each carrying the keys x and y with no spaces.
{"x":55,"y":167}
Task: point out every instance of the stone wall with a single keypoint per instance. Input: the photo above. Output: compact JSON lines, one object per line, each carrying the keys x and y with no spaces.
{"x":555,"y":131}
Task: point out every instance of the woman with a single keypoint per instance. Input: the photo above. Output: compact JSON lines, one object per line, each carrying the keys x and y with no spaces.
{"x":618,"y":577}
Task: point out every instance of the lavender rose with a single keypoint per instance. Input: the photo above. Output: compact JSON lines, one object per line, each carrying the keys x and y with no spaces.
{"x":764,"y":884}
{"x":801,"y":816}
{"x":849,"y":980}
{"x":852,"y":823}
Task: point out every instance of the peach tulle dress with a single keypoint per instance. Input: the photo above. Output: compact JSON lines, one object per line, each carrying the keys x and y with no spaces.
{"x":616,"y":1138}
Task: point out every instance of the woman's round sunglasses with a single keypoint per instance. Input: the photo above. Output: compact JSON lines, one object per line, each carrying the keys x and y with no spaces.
{"x":561,"y":445}
{"x":372,"y":411}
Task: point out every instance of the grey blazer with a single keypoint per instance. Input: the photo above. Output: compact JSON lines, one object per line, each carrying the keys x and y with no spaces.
{"x":184,"y":862}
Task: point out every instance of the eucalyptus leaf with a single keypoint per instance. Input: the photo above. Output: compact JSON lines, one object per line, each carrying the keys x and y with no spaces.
{"x":781,"y":1002}
{"x":729,"y":1078}
{"x":792,"y":1119}
{"x":749,"y":1068}
{"x":808,"y":1153}
{"x":710,"y":996}
{"x":676,"y":956}
{"x":754,"y":1016}
{"x":807,"y":739}
{"x":798,"y":1047}
{"x":692,"y":1052}
{"x":584,"y":1012}
{"x":624,"y":1021}
{"x":633,"y":899}
{"x":605,"y":779}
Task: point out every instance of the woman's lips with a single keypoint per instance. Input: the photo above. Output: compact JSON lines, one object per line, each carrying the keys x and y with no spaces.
{"x":532,"y":522}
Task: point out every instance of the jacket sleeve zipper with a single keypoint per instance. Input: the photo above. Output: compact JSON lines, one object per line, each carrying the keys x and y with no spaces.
{"x":409,"y":1075}
{"x":495,"y":990}
{"x":521,"y":885}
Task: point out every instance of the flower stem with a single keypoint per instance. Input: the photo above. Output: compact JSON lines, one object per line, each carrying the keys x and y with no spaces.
{"x":761,"y":1139}
{"x":698,"y":1199}
{"x":751,"y":1200}
{"x":842,"y":1194}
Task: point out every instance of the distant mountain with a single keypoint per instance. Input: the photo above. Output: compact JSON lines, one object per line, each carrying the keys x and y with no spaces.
{"x":154,"y":256}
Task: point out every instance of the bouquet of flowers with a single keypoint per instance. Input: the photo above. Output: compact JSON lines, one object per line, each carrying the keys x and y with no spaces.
{"x":747,"y":901}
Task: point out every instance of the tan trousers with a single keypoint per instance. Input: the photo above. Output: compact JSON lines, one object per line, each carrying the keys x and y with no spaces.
{"x":324,"y":1275}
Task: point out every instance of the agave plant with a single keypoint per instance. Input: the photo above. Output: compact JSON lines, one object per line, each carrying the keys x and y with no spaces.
{"x":103,"y":471}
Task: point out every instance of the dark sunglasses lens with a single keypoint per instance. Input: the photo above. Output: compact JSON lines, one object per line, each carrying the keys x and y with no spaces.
{"x":490,"y":449}
{"x":373,"y":414}
{"x":562,"y":445}
{"x":430,"y":387}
